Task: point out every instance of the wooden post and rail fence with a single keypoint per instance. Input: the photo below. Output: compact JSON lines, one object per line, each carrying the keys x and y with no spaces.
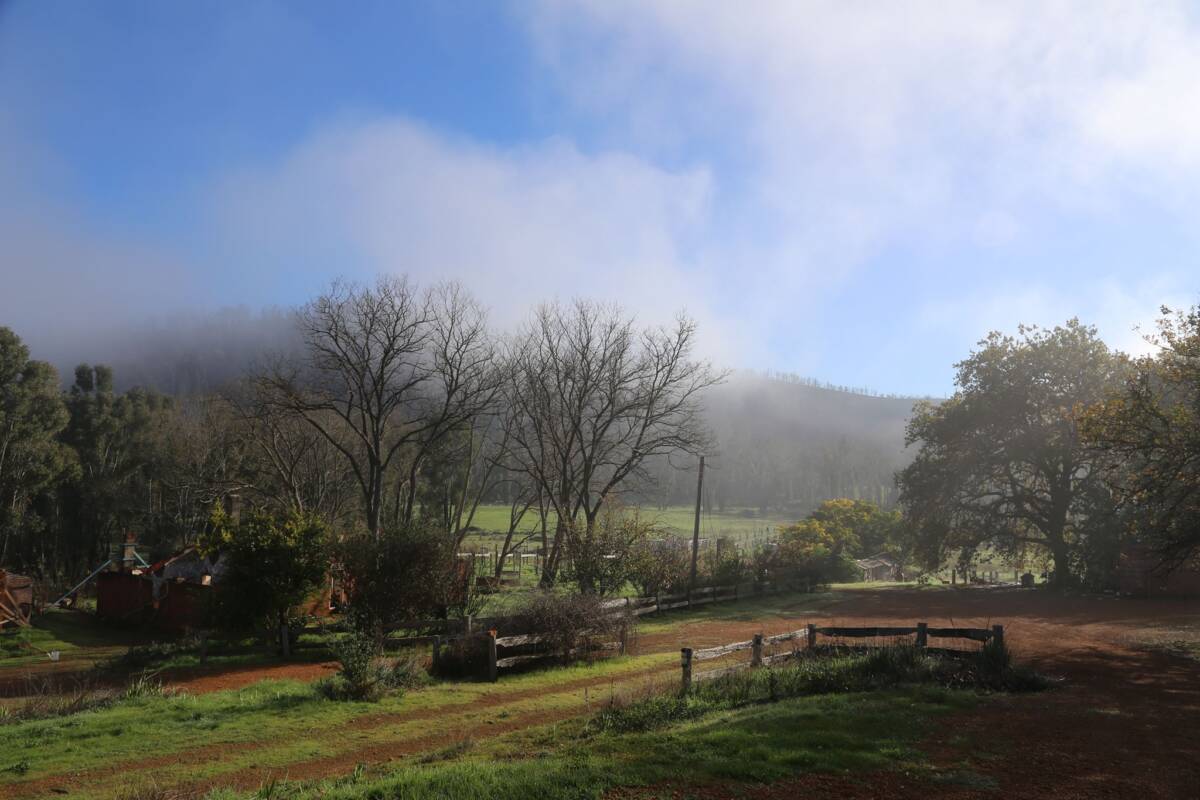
{"x":689,"y":657}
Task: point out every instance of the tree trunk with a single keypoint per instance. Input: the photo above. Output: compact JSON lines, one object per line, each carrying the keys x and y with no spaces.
{"x":1062,"y":565}
{"x":550,"y":565}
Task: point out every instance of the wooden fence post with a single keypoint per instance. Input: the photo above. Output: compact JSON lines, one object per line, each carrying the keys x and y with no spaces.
{"x":922,"y":634}
{"x":624,"y":637}
{"x":437,"y":653}
{"x":491,"y":645}
{"x":285,"y":644}
{"x":756,"y":651}
{"x":998,"y":635}
{"x":657,"y":603}
{"x":685,"y":661}
{"x":812,"y":635}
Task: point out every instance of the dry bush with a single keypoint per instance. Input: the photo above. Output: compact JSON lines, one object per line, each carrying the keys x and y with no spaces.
{"x":571,"y":625}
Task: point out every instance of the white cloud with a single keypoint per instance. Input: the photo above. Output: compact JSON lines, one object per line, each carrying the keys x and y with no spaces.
{"x":927,"y":101}
{"x":517,"y":225}
{"x":847,"y":129}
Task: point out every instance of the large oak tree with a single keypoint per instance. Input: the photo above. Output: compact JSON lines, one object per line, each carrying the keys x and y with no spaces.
{"x":1002,"y":462}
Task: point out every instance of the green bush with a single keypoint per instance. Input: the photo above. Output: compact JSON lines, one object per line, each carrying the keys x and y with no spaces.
{"x":659,"y":566}
{"x":404,"y":573}
{"x":273,"y":564}
{"x":366,"y":674}
{"x":723,"y":566}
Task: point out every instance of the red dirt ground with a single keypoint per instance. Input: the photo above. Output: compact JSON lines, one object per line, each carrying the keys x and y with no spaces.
{"x":1125,"y":723}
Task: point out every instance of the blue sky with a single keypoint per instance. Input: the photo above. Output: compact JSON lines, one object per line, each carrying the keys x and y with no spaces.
{"x":854,"y":192}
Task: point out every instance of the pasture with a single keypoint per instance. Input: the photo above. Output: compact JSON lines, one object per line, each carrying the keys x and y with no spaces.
{"x":257,"y":726}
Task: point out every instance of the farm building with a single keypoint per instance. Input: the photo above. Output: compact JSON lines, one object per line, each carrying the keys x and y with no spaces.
{"x":174,"y":594}
{"x":1142,"y":574}
{"x":880,"y":567}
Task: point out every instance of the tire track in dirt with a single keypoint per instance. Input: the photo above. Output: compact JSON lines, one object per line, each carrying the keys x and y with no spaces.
{"x":206,"y":753}
{"x":378,"y":753}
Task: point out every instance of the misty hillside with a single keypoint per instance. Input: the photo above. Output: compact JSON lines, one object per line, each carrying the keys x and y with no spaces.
{"x":783,"y":443}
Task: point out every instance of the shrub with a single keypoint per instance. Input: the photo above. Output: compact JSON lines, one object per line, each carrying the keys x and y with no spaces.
{"x":723,"y":566}
{"x":659,"y":566}
{"x":601,"y":550}
{"x":402,"y":574}
{"x":463,"y":656}
{"x":810,"y":551}
{"x":272,"y":564}
{"x":578,"y":622}
{"x":570,"y":627}
{"x":365,"y":673}
{"x":996,"y":670}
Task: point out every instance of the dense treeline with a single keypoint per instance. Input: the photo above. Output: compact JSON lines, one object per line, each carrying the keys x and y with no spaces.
{"x":388,"y":409}
{"x":149,"y":444}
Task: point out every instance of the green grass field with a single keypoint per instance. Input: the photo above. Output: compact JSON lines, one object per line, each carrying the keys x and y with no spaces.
{"x":745,"y":527}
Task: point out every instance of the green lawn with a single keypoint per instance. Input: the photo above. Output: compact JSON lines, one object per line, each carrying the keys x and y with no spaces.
{"x":743,"y":526}
{"x":72,"y":633}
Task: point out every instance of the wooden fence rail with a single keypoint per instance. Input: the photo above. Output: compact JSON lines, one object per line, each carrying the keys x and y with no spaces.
{"x":688,"y":656}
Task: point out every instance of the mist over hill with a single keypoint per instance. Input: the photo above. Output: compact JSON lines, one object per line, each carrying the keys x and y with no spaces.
{"x":782,"y":443}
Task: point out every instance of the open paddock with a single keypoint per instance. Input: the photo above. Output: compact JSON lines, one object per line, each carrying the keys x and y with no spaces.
{"x":242,"y":727}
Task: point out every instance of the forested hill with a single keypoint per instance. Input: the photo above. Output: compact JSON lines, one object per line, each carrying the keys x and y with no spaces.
{"x":782,"y":443}
{"x":788,"y":444}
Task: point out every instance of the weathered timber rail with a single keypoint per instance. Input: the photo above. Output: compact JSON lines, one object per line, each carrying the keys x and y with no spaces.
{"x":689,"y":657}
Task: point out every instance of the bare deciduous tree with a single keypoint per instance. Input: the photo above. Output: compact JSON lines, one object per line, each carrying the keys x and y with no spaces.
{"x":593,"y":399}
{"x":388,"y":371}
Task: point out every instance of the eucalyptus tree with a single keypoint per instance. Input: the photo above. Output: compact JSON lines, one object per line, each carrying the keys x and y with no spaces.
{"x":118,"y":440}
{"x":1002,"y":462}
{"x":593,"y":399}
{"x":31,"y":416}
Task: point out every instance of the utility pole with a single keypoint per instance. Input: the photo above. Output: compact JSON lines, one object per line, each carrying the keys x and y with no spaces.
{"x":696,"y":527}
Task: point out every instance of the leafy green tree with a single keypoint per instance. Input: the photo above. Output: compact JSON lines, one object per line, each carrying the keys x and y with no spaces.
{"x":31,"y":416}
{"x":816,"y":551}
{"x":1151,"y":428}
{"x":118,"y":440}
{"x":1002,"y":462}
{"x":271,"y":564}
{"x":861,"y":526}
